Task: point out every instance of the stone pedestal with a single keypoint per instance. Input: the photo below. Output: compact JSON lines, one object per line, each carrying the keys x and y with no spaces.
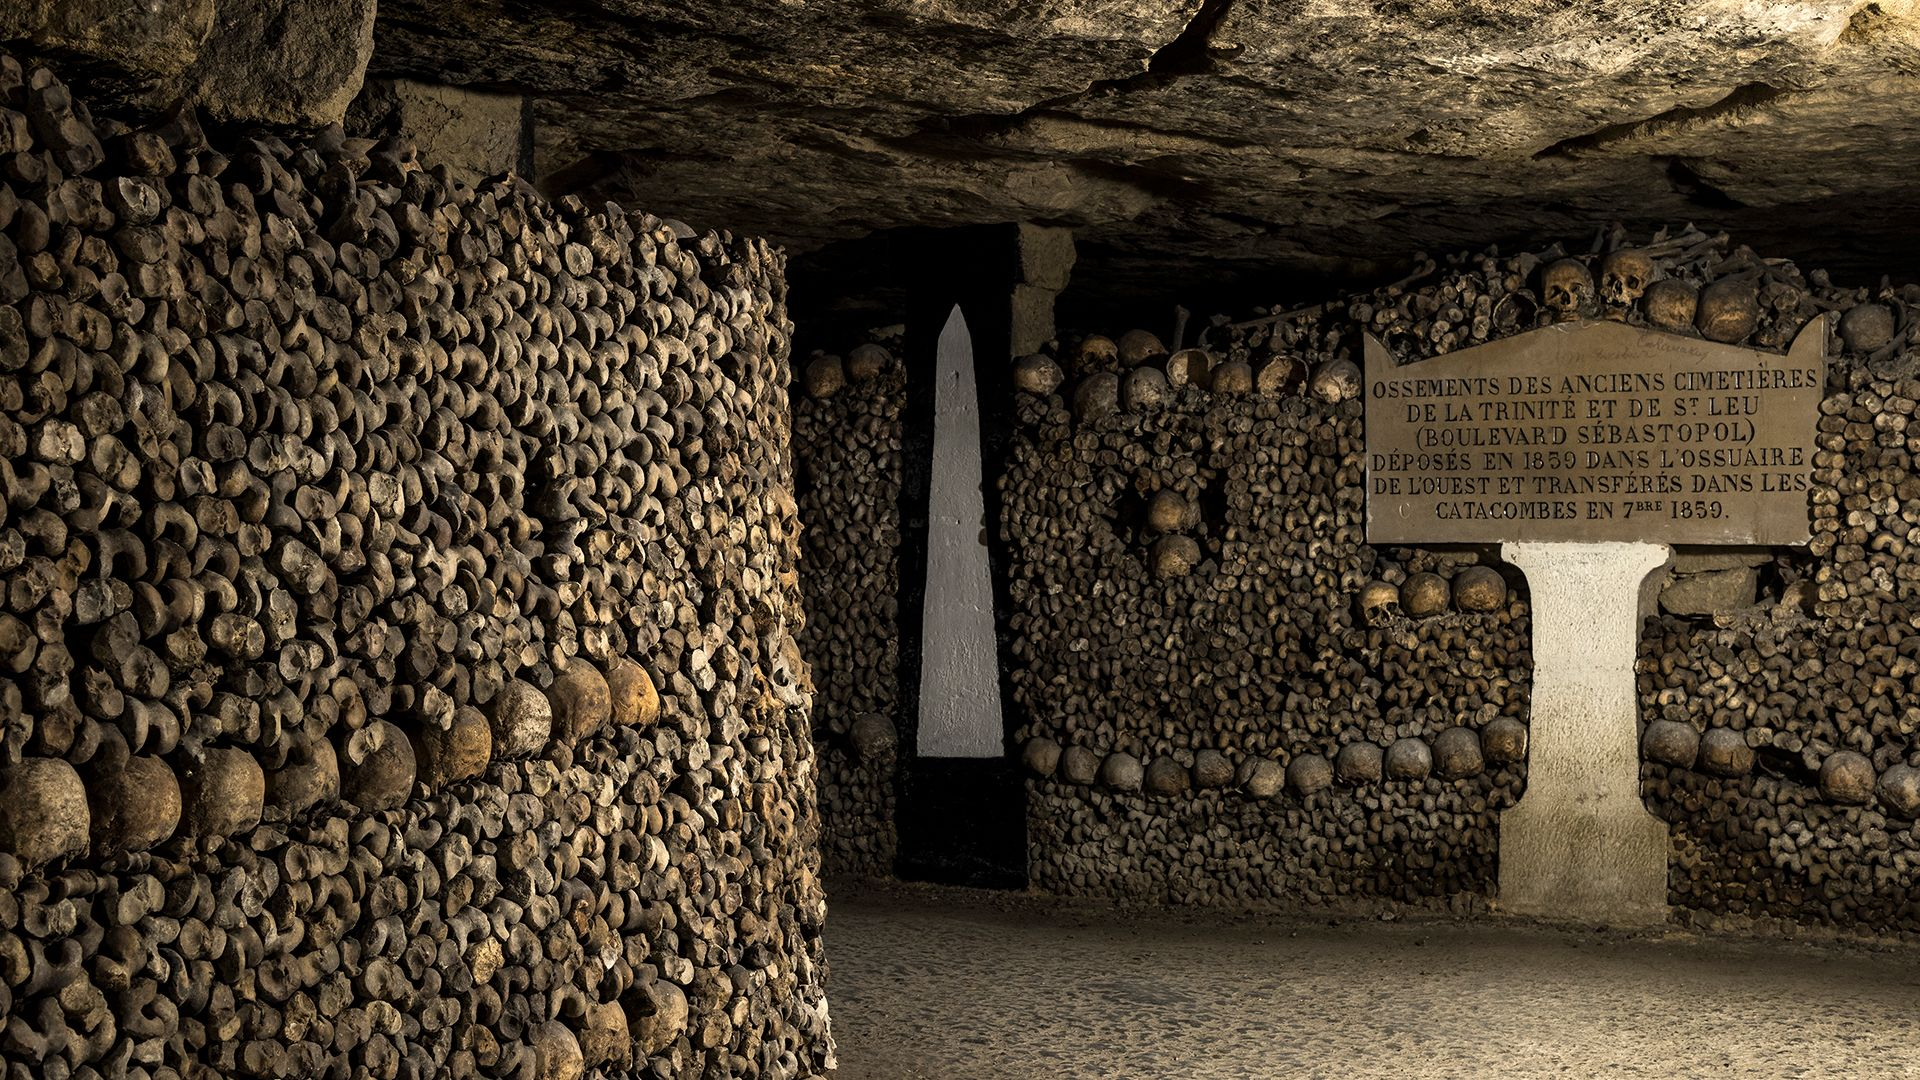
{"x":1580,"y":844}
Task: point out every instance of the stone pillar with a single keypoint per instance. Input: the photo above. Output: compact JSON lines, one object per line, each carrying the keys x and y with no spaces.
{"x":1046,"y":263}
{"x":1580,"y":844}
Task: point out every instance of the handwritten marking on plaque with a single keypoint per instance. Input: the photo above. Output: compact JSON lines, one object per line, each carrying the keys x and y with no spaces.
{"x":1594,"y":431}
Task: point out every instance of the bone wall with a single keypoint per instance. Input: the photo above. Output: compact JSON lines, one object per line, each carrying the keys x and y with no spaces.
{"x":399,"y":612}
{"x":848,"y":439}
{"x":1201,"y":640}
{"x":1224,"y":695}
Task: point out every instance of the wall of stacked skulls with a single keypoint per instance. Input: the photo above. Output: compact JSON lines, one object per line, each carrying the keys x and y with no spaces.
{"x":1225,"y":695}
{"x":399,"y":611}
{"x":848,"y":435}
{"x":1217,"y":678}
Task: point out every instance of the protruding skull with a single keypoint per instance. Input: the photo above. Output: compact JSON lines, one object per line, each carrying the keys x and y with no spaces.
{"x":1566,"y":287}
{"x":1096,"y":354}
{"x":1036,"y":374}
{"x":1136,"y":347}
{"x":1670,"y":305}
{"x":1336,"y":381}
{"x":1378,"y":601}
{"x":1624,"y":275}
{"x":1729,"y":310}
{"x":1867,"y":327}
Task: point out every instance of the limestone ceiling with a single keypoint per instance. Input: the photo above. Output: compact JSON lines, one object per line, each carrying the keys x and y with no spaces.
{"x":1329,"y":138}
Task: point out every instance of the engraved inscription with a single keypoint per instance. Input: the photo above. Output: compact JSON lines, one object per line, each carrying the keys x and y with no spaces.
{"x":1594,"y":431}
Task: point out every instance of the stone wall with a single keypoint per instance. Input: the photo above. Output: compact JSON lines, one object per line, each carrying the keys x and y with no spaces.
{"x":400,"y":593}
{"x":848,"y":438}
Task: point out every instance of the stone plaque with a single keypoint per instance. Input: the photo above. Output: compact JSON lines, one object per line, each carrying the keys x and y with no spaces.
{"x":1591,"y":432}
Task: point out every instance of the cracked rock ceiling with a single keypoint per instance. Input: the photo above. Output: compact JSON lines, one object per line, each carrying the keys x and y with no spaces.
{"x":1289,"y":146}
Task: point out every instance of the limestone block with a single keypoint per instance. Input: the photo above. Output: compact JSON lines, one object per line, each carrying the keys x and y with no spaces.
{"x":1046,"y":256}
{"x":1580,"y":844}
{"x":1033,"y":325}
{"x":1712,"y":592}
{"x":282,"y":61}
{"x":1700,"y":560}
{"x":474,"y":133}
{"x":139,"y":42}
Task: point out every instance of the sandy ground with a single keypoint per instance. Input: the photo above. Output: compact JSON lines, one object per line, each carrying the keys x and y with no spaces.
{"x":959,"y":985}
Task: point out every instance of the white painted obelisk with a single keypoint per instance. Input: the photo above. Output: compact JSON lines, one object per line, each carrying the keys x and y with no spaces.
{"x":959,"y":667}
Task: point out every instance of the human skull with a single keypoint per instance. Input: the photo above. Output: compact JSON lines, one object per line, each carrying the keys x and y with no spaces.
{"x":1337,"y":381}
{"x":1036,"y":374}
{"x":1624,"y":276}
{"x":1670,"y":305}
{"x":1097,"y":395}
{"x":1566,"y":286}
{"x":1136,"y":347}
{"x":1144,"y":389}
{"x":1867,"y":327}
{"x":1168,"y":512}
{"x":1378,"y":601}
{"x":1096,"y":354}
{"x":1729,"y":310}
{"x":1425,"y":594}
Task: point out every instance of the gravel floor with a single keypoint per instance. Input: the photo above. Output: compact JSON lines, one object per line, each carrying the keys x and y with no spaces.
{"x":959,"y":985}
